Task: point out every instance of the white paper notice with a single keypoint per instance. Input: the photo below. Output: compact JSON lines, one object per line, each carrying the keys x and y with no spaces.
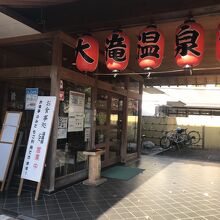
{"x":31,"y":98}
{"x":76,"y":111}
{"x":87,"y":134}
{"x":75,"y":122}
{"x":62,"y":128}
{"x":39,"y":138}
{"x":76,"y":102}
{"x":88,"y":119}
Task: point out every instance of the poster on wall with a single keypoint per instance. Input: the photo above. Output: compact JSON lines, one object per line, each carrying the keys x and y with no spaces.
{"x":76,"y":111}
{"x":31,"y":98}
{"x":88,"y":118}
{"x":62,"y":128}
{"x":75,"y":122}
{"x":87,"y":134}
{"x":76,"y":102}
{"x":39,"y":138}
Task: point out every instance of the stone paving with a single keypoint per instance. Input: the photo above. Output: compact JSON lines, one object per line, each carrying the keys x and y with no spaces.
{"x":167,"y":189}
{"x":5,"y":217}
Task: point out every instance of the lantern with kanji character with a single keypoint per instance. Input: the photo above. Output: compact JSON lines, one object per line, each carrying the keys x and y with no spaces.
{"x":87,"y":54}
{"x":189,"y":45}
{"x":150,"y":48}
{"x":218,"y":43}
{"x":117,"y":50}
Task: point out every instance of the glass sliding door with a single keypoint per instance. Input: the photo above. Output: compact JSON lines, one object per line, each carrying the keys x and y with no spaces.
{"x":132,"y":126}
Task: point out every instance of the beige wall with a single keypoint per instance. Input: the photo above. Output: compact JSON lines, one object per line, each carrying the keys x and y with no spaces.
{"x":154,"y":128}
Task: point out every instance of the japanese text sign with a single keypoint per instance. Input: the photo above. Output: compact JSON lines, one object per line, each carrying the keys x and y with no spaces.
{"x":39,"y":138}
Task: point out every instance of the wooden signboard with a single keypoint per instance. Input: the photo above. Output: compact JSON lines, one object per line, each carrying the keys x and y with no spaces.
{"x":7,"y":141}
{"x":38,"y":141}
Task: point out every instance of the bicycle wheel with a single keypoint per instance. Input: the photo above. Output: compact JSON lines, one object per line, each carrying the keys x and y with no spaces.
{"x":165,"y":142}
{"x":187,"y":141}
{"x":194,"y":136}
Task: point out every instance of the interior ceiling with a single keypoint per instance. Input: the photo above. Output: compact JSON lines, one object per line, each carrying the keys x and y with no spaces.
{"x":100,"y":17}
{"x":32,"y":3}
{"x":13,"y":28}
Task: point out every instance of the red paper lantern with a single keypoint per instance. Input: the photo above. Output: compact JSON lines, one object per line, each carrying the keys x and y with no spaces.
{"x":87,"y":54}
{"x":218,"y":43}
{"x":117,"y":51}
{"x":189,"y":46}
{"x":150,"y":48}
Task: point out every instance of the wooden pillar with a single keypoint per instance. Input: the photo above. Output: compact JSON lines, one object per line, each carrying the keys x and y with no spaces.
{"x":93,"y":106}
{"x":139,"y":119}
{"x":108,"y":122}
{"x":4,"y":101}
{"x":124,"y":124}
{"x":55,"y":90}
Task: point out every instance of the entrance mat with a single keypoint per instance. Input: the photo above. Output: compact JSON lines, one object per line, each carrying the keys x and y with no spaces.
{"x":121,"y":172}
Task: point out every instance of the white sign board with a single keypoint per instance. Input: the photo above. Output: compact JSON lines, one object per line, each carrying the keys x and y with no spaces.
{"x":12,"y":118}
{"x":5,"y":151}
{"x":8,"y":135}
{"x":62,"y":128}
{"x":39,"y":138}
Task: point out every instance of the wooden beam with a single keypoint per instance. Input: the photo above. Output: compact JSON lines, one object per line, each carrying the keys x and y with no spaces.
{"x":111,"y":88}
{"x":134,"y":95}
{"x":183,"y":80}
{"x":28,"y":38}
{"x":75,"y":77}
{"x":25,"y":72}
{"x":67,"y":39}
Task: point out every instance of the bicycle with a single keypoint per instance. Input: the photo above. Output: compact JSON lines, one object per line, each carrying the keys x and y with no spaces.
{"x":179,"y":138}
{"x":172,"y":139}
{"x":191,"y":138}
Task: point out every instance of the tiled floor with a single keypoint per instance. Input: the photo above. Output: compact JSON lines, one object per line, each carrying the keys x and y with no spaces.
{"x":167,"y":189}
{"x":209,"y":155}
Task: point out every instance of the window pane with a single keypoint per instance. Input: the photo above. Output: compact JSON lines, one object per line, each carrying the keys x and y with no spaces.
{"x":74,"y":128}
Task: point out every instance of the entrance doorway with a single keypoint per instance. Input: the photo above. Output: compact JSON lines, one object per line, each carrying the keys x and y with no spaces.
{"x":109,"y":121}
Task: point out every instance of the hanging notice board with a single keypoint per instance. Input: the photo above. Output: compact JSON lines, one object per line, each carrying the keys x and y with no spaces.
{"x":38,"y":141}
{"x":7,"y":141}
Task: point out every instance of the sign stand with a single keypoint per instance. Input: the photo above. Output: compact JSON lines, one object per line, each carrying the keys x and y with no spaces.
{"x":7,"y":141}
{"x":14,"y":159}
{"x":37,"y":190}
{"x":38,"y":141}
{"x":20,"y":186}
